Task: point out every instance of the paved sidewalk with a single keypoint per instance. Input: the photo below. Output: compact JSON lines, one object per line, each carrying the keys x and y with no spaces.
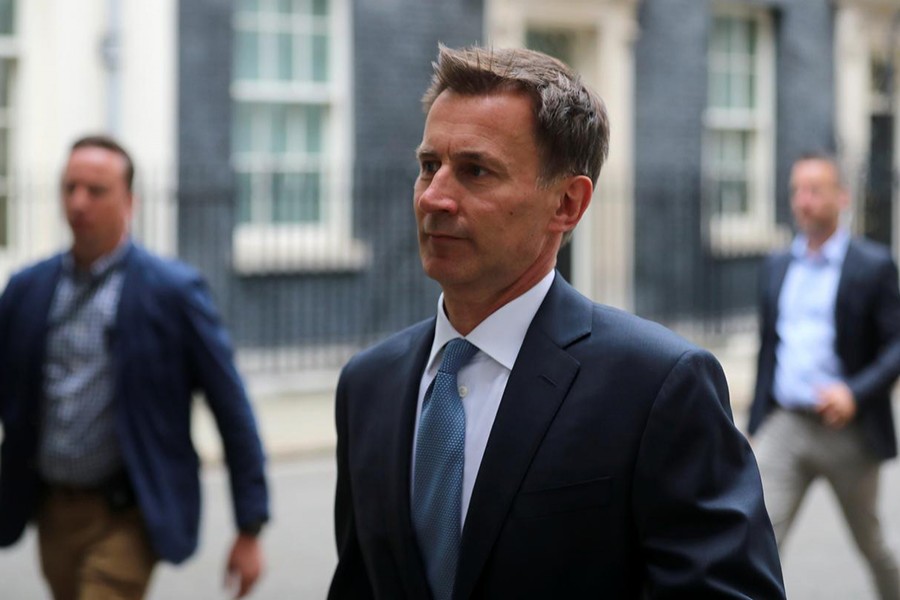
{"x":291,"y":424}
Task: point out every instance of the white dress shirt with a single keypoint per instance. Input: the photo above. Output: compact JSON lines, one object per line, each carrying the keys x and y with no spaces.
{"x":482,"y":380}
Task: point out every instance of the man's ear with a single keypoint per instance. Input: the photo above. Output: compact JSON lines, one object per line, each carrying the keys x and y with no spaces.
{"x":574,"y":197}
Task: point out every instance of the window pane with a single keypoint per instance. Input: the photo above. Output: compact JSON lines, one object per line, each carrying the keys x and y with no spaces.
{"x":558,"y":44}
{"x":297,"y":197}
{"x":4,"y":221}
{"x":278,"y":128}
{"x":285,"y":56}
{"x":242,"y":139}
{"x":4,"y":155}
{"x":246,"y":55}
{"x":244,"y":197}
{"x":718,"y":90}
{"x":732,"y":63}
{"x":314,"y":126}
{"x":731,"y":170}
{"x":248,"y":5}
{"x":320,"y":58}
{"x":320,"y":8}
{"x":7,"y":15}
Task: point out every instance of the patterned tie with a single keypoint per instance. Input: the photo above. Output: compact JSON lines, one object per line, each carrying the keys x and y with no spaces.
{"x":440,"y":456}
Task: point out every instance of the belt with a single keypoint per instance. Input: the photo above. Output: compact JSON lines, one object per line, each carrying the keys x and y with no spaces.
{"x":116,"y":489}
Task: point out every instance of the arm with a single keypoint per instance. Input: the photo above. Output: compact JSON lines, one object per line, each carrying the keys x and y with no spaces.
{"x":5,"y":302}
{"x":697,"y":495}
{"x":213,"y":371}
{"x":350,"y":578}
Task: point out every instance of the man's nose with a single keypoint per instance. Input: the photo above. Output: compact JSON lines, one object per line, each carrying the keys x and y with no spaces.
{"x":440,"y":193}
{"x":76,"y":198}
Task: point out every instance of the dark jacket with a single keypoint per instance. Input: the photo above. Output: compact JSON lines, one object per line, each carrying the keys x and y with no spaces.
{"x":167,"y":343}
{"x":613,"y":469}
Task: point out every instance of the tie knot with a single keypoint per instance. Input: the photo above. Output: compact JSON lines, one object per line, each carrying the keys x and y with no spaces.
{"x":457,"y":353}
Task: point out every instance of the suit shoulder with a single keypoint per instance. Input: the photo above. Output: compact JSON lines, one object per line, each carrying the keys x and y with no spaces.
{"x":638,"y":338}
{"x":396,"y":346}
{"x":165,"y":273}
{"x":871,"y":251}
{"x":35,"y":271}
{"x":774,"y":258}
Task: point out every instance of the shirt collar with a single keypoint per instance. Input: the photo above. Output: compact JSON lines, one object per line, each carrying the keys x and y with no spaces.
{"x":99,"y":267}
{"x":833,"y":250}
{"x":500,"y":336}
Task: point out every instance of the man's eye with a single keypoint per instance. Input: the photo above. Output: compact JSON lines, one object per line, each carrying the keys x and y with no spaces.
{"x":428,"y":167}
{"x":477,"y":171}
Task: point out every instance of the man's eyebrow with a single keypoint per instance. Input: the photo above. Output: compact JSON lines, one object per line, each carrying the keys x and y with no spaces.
{"x":424,"y":151}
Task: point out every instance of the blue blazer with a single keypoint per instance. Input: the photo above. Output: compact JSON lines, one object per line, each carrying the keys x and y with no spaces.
{"x":867,"y":340}
{"x":167,"y":342}
{"x":613,"y":470}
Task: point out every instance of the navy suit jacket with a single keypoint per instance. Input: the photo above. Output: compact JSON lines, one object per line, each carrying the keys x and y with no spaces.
{"x":167,"y":342}
{"x":867,"y":340}
{"x":613,"y":470}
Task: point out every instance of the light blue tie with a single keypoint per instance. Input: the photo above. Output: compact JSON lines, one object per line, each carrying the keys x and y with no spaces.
{"x":440,"y":457}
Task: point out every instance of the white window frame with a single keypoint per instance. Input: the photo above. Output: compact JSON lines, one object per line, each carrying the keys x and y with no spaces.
{"x":756,"y":230}
{"x":9,"y":51}
{"x":328,"y":245}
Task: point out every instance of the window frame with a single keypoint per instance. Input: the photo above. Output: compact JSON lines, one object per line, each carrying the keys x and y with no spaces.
{"x":9,"y":51}
{"x":756,"y":229}
{"x":328,"y":244}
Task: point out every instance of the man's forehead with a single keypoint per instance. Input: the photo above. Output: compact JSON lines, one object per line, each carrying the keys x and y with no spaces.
{"x":816,"y":166}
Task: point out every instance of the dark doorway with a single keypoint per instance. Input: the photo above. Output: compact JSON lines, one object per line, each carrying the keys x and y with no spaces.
{"x":878,"y":200}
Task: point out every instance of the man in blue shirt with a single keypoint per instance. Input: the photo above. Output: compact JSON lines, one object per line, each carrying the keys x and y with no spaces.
{"x":830,"y":353}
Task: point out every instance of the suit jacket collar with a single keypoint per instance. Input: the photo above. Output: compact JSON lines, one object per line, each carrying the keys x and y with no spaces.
{"x":853,"y":264}
{"x":38,"y":309}
{"x":538,"y":384}
{"x":408,"y":370}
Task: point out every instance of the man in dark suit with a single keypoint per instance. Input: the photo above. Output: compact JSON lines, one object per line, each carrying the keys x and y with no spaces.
{"x":829,"y":356}
{"x":527,"y":443}
{"x":101,"y":349}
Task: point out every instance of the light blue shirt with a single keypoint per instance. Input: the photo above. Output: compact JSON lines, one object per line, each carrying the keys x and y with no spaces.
{"x":806,"y":359}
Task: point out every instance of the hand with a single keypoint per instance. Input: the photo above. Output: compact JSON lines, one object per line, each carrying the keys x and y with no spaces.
{"x":245,"y":564}
{"x":836,"y":406}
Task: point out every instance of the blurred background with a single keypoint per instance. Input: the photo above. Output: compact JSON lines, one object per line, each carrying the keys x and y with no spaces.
{"x":274,"y":148}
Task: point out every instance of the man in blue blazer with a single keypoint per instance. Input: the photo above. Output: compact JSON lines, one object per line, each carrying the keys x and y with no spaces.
{"x":829,"y":356}
{"x":101,"y":350}
{"x":526,"y":442}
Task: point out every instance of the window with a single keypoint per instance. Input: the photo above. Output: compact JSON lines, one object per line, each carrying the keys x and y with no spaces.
{"x":290,"y":136}
{"x":7,"y":68}
{"x":739,"y":151}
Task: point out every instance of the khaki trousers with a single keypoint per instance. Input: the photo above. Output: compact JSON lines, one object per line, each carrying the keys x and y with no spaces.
{"x":89,"y":552}
{"x":793,"y":450}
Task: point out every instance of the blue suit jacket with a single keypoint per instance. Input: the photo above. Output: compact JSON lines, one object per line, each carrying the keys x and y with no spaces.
{"x":867,"y":322}
{"x":167,"y":343}
{"x":613,"y":470}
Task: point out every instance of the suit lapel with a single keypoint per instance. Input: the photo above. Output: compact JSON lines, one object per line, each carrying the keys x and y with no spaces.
{"x":852,"y":264}
{"x":779,"y":271}
{"x":537,"y":387}
{"x":39,"y":301}
{"x":404,"y":542}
